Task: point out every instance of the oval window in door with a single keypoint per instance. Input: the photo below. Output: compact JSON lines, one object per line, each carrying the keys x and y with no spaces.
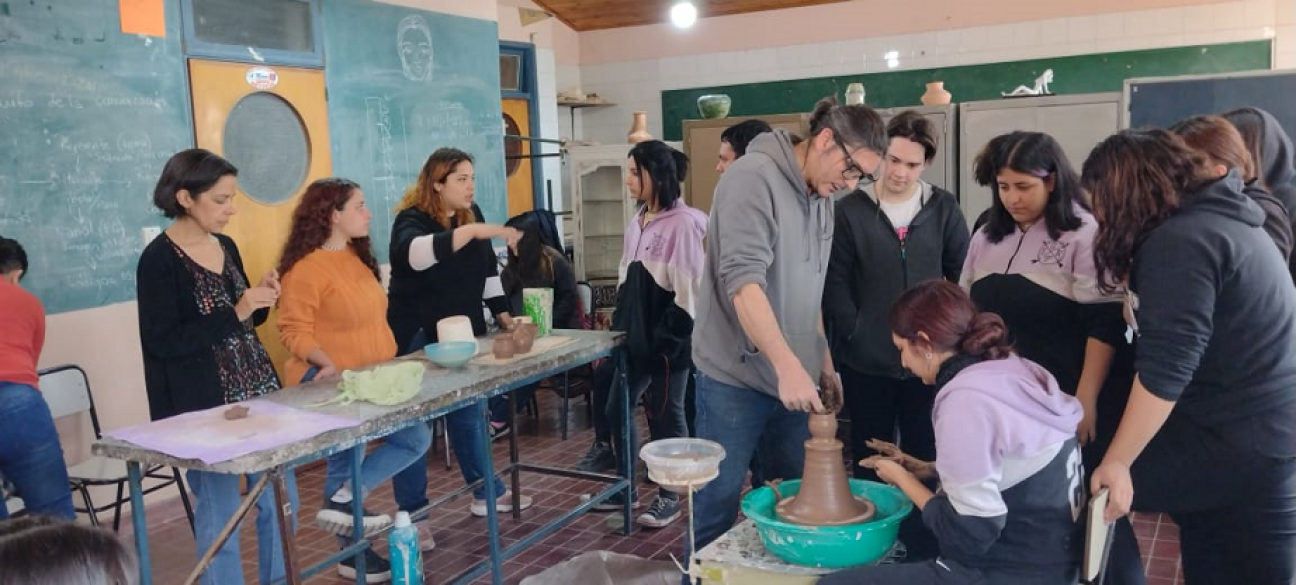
{"x":266,"y":139}
{"x":511,"y":147}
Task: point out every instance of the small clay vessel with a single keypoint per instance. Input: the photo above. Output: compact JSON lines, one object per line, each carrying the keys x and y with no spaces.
{"x":524,"y":336}
{"x":236,"y":412}
{"x":504,"y":347}
{"x":825,"y":498}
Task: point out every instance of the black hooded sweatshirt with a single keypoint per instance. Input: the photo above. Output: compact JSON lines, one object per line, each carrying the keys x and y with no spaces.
{"x":1215,"y":313}
{"x":1277,"y":171}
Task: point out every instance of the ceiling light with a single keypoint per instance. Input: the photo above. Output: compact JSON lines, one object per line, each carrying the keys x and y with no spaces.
{"x":684,"y":14}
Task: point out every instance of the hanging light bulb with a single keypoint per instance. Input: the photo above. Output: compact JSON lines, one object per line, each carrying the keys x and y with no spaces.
{"x":684,"y":14}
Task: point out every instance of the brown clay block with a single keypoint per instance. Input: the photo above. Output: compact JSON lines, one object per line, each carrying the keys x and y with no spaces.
{"x":236,"y":412}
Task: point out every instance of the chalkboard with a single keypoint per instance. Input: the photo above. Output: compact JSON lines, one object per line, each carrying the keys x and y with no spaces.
{"x":88,"y":116}
{"x":404,"y":84}
{"x":1162,"y":102}
{"x":1077,"y":74}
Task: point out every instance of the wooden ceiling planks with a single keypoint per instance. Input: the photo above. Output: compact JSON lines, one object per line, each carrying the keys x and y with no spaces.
{"x":587,"y":15}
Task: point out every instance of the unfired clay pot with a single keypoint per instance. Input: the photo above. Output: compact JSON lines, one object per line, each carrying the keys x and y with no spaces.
{"x":503,"y":347}
{"x":825,"y":498}
{"x":524,"y":336}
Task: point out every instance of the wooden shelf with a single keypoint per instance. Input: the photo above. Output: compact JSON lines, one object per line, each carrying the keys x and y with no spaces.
{"x":577,"y":105}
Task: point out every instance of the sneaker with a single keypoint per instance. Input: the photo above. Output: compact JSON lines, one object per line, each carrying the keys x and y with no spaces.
{"x":499,"y":432}
{"x":662,"y":512}
{"x":377,"y":569}
{"x":337,"y":519}
{"x":614,"y":503}
{"x":503,"y":504}
{"x":426,"y":542}
{"x":598,"y":459}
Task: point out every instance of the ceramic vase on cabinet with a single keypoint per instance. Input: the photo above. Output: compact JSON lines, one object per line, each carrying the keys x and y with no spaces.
{"x":936,"y":94}
{"x":639,"y":129}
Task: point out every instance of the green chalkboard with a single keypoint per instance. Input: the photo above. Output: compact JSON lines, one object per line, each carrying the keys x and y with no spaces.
{"x":88,"y":116}
{"x":403,"y":85}
{"x":1073,"y":75}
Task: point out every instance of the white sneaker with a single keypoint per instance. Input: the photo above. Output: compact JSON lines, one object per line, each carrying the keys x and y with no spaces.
{"x":503,"y":504}
{"x":426,"y":542}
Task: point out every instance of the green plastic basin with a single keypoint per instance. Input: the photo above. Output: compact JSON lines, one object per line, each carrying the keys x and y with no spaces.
{"x":832,"y":547}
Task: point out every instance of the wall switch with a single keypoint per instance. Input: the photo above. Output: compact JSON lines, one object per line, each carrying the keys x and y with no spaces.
{"x":149,"y":234}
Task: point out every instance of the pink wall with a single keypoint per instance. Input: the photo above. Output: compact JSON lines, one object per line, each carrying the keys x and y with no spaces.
{"x":833,"y":22}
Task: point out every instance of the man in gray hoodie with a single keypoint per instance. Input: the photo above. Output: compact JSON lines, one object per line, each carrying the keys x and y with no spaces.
{"x":758,"y":341}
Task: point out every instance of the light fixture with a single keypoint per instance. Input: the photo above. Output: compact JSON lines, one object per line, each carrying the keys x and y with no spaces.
{"x":892,"y":59}
{"x":684,"y":14}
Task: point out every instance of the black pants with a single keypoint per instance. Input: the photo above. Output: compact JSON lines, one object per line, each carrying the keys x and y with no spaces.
{"x":879,"y":406}
{"x":1236,"y":509}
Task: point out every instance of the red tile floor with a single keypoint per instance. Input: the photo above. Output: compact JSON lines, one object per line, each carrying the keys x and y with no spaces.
{"x":461,"y":539}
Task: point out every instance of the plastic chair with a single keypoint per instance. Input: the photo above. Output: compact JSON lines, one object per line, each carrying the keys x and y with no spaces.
{"x":66,"y":389}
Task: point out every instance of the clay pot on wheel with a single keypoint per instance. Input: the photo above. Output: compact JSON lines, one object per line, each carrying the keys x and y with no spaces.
{"x":504,"y":346}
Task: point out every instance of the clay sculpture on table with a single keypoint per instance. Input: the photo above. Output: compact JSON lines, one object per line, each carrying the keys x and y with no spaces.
{"x":825,"y":498}
{"x":504,"y":346}
{"x":236,"y":412}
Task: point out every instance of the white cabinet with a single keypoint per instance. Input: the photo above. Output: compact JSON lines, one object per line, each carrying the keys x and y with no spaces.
{"x":601,"y":209}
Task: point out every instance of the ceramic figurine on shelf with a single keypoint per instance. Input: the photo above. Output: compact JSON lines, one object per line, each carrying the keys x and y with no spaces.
{"x":639,"y":129}
{"x":1041,"y":86}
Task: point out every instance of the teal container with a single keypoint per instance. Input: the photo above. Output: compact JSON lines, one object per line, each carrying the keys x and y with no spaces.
{"x":829,"y":547}
{"x":403,"y":546}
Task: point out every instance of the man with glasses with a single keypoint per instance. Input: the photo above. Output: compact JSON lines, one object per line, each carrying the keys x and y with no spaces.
{"x":889,"y":237}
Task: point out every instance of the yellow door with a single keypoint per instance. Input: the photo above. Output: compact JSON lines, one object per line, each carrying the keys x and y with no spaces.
{"x":272,"y":123}
{"x":521,"y":191}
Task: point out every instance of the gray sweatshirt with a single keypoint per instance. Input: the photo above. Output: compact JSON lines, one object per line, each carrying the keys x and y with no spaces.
{"x":764,"y":229}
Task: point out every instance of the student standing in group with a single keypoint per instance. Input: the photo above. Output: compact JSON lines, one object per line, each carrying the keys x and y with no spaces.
{"x":889,"y":236}
{"x":197,"y":318}
{"x":1011,"y":491}
{"x":734,"y":141}
{"x":758,"y":342}
{"x":30,"y":453}
{"x":443,"y":266}
{"x":1207,"y":436}
{"x":1274,"y":157}
{"x":332,"y":318}
{"x":1032,"y":264}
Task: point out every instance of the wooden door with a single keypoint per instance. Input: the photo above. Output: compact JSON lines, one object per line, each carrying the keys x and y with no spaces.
{"x":521,"y":189}
{"x":272,"y":123}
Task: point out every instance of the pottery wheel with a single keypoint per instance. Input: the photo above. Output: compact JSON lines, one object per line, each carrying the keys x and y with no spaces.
{"x":867,"y":511}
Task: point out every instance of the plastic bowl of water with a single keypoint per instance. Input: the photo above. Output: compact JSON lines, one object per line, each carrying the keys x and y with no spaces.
{"x":834,"y":547}
{"x":682,"y":463}
{"x":451,"y":354}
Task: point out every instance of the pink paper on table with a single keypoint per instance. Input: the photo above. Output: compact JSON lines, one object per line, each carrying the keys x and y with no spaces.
{"x":207,"y":436}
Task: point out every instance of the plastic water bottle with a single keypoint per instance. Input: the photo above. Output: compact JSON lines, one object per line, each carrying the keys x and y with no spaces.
{"x":403,"y":546}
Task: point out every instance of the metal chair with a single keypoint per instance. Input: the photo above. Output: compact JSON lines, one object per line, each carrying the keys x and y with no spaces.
{"x":66,"y":389}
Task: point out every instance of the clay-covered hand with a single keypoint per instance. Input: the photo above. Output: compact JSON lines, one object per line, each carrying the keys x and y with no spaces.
{"x":890,"y":452}
{"x":830,"y":392}
{"x":891,"y":472}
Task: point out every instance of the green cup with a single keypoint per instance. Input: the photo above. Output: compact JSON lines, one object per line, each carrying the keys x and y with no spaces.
{"x":537,"y":303}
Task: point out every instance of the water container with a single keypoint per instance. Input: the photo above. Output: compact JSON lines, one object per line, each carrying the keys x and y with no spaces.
{"x":403,"y":546}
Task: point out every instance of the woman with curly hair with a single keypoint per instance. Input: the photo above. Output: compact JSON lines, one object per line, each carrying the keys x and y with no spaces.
{"x":332,"y":317}
{"x":1207,"y":434}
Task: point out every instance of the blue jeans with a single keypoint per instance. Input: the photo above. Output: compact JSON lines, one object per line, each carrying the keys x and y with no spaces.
{"x":465,"y":428}
{"x":740,"y":419}
{"x":30,"y":453}
{"x":398,"y":451}
{"x":216,"y":498}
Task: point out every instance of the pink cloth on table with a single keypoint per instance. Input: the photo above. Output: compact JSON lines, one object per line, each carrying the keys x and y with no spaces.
{"x":207,"y":436}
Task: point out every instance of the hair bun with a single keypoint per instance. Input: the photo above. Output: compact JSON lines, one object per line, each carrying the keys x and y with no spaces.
{"x":986,"y":337}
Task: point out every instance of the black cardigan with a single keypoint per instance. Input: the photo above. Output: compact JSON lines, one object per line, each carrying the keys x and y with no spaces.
{"x":180,"y":371}
{"x":452,"y":286}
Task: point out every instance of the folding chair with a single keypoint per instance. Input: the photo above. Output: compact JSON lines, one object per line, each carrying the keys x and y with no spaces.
{"x":66,"y":389}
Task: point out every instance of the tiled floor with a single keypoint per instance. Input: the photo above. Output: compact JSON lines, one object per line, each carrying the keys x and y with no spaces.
{"x":461,"y":538}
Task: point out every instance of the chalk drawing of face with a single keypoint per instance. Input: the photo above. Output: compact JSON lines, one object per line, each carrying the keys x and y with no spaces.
{"x":414,"y":44}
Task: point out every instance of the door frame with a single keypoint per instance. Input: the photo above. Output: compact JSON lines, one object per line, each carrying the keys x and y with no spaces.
{"x":530,"y":93}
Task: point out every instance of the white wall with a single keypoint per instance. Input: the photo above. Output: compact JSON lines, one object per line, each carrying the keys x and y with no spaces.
{"x":637,"y":85}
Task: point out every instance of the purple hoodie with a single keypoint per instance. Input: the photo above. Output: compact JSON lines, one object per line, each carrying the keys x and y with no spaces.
{"x":997,"y":423}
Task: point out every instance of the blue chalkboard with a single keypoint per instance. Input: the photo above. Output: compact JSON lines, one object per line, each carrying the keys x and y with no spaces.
{"x":88,"y":116}
{"x":403,"y":85}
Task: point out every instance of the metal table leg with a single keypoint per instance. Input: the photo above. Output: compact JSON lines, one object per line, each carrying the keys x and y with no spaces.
{"x":627,"y":462}
{"x":137,"y":519}
{"x":285,"y":524}
{"x":515,"y":475}
{"x":357,"y":511}
{"x":488,"y":476}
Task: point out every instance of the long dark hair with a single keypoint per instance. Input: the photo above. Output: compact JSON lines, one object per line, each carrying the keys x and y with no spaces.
{"x":312,"y":224}
{"x":1137,"y":179}
{"x":1032,"y":153}
{"x":666,"y":167}
{"x":946,"y":314}
{"x":531,"y":265}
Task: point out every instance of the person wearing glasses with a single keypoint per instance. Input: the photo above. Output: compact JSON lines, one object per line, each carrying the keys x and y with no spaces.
{"x":758,"y":341}
{"x":890,"y":236}
{"x":1033,"y":264}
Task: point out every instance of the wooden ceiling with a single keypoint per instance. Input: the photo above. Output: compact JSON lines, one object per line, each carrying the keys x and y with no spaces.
{"x":586,"y":15}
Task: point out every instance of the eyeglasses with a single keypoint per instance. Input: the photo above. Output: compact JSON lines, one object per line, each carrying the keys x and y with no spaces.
{"x":853,"y":172}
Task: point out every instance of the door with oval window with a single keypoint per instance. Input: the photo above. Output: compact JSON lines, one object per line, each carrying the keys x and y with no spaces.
{"x":272,"y":123}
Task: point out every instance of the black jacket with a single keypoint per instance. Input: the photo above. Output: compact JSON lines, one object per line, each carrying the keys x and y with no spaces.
{"x":562,"y":279}
{"x":871,"y":267}
{"x":453,"y":286}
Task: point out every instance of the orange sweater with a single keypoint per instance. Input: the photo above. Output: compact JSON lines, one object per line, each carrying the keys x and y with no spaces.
{"x":331,"y":301}
{"x":22,"y":334}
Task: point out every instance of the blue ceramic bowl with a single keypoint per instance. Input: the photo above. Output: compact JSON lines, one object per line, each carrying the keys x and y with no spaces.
{"x":833,"y":547}
{"x":451,"y":354}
